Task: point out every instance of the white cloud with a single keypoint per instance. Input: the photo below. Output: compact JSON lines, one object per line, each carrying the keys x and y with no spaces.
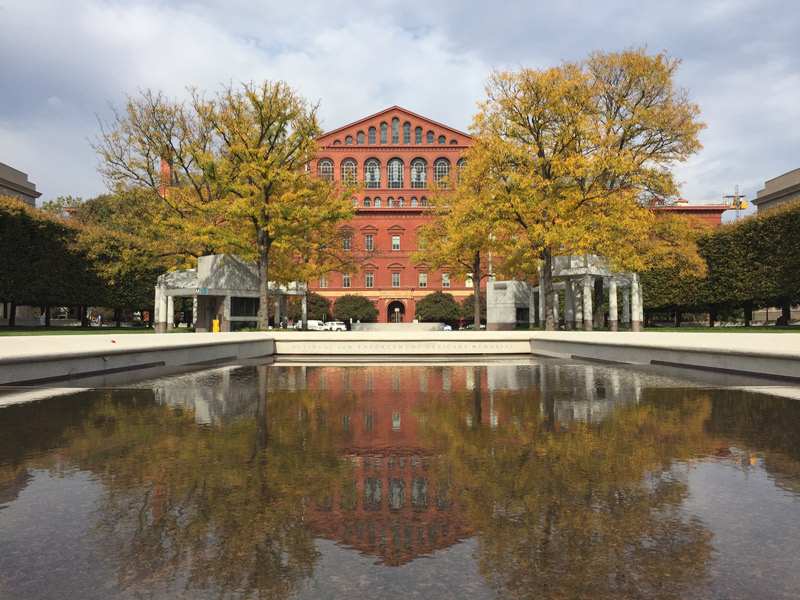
{"x":68,"y":60}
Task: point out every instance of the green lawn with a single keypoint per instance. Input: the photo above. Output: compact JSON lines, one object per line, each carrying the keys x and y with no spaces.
{"x":56,"y":330}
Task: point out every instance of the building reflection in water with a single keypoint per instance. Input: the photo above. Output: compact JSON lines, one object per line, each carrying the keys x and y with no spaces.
{"x":401,"y":500}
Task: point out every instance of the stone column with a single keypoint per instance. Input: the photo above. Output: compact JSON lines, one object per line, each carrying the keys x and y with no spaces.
{"x":194,"y":312}
{"x":569,"y":305}
{"x":626,"y":308}
{"x":613,"y":324}
{"x":541,"y":305}
{"x":284,"y":311}
{"x":576,"y":290}
{"x":304,"y":311}
{"x":161,"y":309}
{"x":156,"y":307}
{"x":556,"y":306}
{"x":532,"y":307}
{"x":587,"y":302}
{"x":170,"y":312}
{"x":277,"y":321}
{"x":636,"y":303}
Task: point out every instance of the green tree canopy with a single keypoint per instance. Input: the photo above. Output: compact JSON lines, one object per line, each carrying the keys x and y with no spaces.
{"x":438,"y":307}
{"x":353,"y":306}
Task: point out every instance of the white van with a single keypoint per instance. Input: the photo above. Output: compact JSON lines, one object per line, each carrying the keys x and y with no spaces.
{"x":314,"y":325}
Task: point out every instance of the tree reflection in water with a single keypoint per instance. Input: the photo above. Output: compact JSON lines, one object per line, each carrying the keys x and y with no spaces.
{"x":571,"y":479}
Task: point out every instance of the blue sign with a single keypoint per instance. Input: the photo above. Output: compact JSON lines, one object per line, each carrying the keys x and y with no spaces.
{"x":203,"y":291}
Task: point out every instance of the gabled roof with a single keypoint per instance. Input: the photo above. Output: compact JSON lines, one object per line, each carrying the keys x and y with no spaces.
{"x":387,"y":115}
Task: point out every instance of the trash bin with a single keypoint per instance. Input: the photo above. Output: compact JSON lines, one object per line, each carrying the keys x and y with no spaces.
{"x":215,"y":325}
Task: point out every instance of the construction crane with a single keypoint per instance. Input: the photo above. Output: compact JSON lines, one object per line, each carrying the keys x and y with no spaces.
{"x":737,"y":202}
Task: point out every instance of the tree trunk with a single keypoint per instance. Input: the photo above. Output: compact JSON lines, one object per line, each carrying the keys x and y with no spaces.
{"x":12,"y":315}
{"x":748,"y":313}
{"x":678,"y":318}
{"x":476,"y":278}
{"x":264,"y":243}
{"x":786,"y":312}
{"x":546,"y":285}
{"x":47,"y":316}
{"x":84,"y":316}
{"x":712,"y":317}
{"x":599,"y":316}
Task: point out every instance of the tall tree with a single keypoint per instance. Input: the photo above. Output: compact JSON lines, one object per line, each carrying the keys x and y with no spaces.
{"x":461,"y":237}
{"x":232,"y":172}
{"x":573,"y":151}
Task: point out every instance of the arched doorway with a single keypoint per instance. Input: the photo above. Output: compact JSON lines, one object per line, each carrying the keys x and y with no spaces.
{"x":395,"y":312}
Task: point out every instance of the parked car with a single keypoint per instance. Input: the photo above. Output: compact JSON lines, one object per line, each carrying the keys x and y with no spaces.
{"x":315,"y":325}
{"x":447,"y":327}
{"x":335,"y":326}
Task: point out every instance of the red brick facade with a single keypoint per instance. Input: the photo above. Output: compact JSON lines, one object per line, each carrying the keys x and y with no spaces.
{"x":397,"y":155}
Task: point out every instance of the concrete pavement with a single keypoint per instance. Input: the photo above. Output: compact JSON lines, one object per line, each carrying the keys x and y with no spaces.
{"x":36,"y":360}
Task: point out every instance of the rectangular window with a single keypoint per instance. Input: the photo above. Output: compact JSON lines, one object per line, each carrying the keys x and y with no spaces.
{"x":345,"y":280}
{"x":445,"y":279}
{"x":469,"y":283}
{"x":423,"y":280}
{"x":395,"y":242}
{"x":370,"y":280}
{"x":346,"y":242}
{"x":395,"y":279}
{"x":368,"y":244}
{"x":323,"y":282}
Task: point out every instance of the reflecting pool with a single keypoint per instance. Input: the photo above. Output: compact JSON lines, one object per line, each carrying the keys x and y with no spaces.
{"x":535,"y":480}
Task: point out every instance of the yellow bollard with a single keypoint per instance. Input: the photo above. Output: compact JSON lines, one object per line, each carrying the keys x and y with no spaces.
{"x":215,"y":325}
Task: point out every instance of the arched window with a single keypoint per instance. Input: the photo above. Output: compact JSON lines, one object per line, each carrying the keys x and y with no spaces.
{"x":423,"y":201}
{"x":371,"y":135}
{"x":442,"y":139}
{"x":462,"y":162}
{"x":395,"y":173}
{"x":414,"y":201}
{"x":372,"y":173}
{"x":441,"y":171}
{"x":419,"y":173}
{"x":406,"y":132}
{"x":454,"y":142}
{"x":355,"y":202}
{"x":384,"y":133}
{"x":360,"y":138}
{"x":377,"y":203}
{"x":349,"y":171}
{"x":401,"y":201}
{"x":418,"y":135}
{"x":429,"y":137}
{"x":395,"y":130}
{"x":348,"y":141}
{"x":325,"y":169}
{"x":390,"y":201}
{"x":367,"y":202}
{"x":337,"y":143}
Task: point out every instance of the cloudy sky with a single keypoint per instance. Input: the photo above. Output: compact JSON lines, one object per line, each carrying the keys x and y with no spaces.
{"x":62,"y":63}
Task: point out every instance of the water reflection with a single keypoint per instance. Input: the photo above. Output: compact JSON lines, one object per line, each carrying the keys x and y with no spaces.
{"x":571,"y":481}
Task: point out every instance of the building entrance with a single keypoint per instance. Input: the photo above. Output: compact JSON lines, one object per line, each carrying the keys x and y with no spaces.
{"x":396,"y":312}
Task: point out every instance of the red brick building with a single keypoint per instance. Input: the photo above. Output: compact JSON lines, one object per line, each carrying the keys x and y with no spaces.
{"x":398,"y":155}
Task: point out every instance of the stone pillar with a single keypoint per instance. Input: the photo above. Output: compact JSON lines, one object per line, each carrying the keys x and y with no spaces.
{"x":556,"y":307}
{"x":277,"y":321}
{"x":304,"y":311}
{"x":194,"y":312}
{"x":541,"y":305}
{"x":569,"y":305}
{"x":577,"y":288}
{"x":284,"y":311}
{"x":626,"y":308}
{"x":636,"y":303}
{"x":613,"y":324}
{"x":161,"y":309}
{"x":156,"y":308}
{"x":532,"y":307}
{"x":587,"y":302}
{"x":170,"y":312}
